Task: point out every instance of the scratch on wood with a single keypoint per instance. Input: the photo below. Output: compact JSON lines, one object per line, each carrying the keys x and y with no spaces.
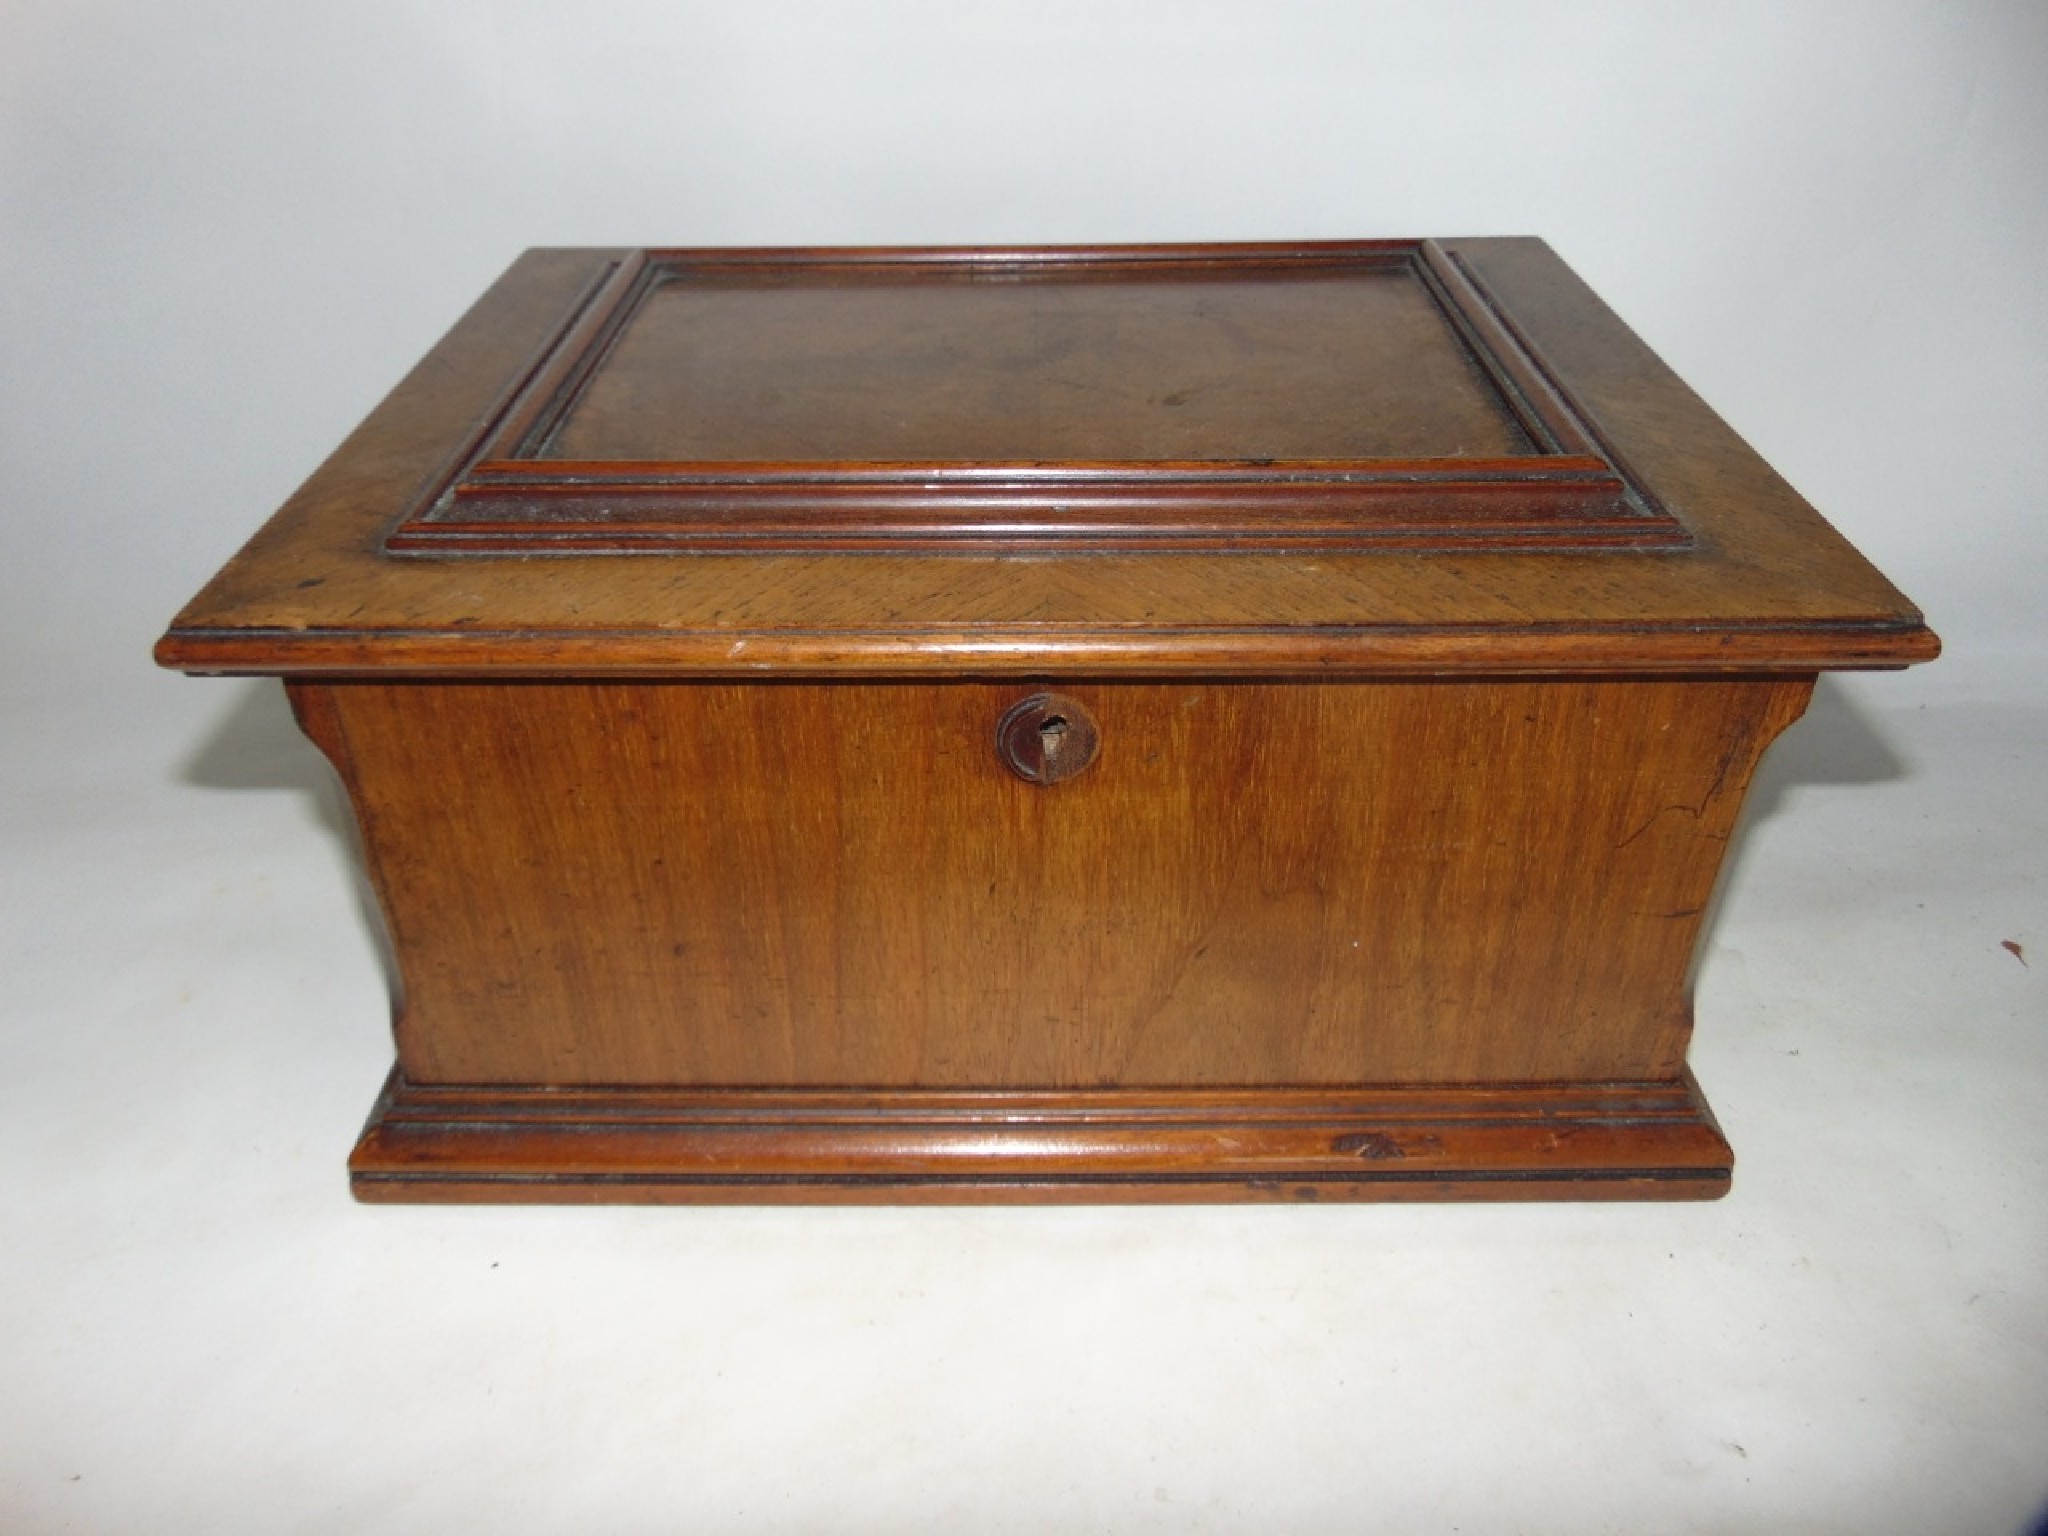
{"x":1373,"y":1144}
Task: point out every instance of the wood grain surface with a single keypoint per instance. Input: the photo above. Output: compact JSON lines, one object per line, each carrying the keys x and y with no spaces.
{"x":1614,"y":1141}
{"x":802,"y":885}
{"x":1764,"y":582}
{"x":1250,"y":398}
{"x":1219,"y":722}
{"x":981,"y":361}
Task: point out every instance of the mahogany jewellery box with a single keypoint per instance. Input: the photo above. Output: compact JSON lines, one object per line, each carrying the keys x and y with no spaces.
{"x":1140,"y":723}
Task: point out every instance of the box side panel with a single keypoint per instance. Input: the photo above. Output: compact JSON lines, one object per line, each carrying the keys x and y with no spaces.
{"x":1255,"y":884}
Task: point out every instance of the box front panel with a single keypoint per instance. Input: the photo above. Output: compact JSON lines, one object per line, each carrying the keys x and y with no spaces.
{"x":842,"y":884}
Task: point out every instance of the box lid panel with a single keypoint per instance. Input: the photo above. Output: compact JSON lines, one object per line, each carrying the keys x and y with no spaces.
{"x":987,"y":359}
{"x":1565,"y":503}
{"x":1241,"y":398}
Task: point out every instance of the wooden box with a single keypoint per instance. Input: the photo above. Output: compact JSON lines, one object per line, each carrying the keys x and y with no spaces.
{"x":1167,"y":723}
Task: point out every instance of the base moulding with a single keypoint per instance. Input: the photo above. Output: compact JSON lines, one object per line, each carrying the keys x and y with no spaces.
{"x":1604,"y":1141}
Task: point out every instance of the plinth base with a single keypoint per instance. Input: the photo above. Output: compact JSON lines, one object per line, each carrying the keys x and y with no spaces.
{"x":1605,"y":1141}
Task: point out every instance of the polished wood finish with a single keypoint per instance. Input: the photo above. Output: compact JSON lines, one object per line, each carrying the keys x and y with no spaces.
{"x":1618,"y":1141}
{"x":1318,"y":397}
{"x":1128,"y":723}
{"x":1123,"y":985}
{"x":1763,"y":582}
{"x":842,"y":884}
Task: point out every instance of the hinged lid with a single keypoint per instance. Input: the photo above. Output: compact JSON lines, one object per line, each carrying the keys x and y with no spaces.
{"x":1364,"y":456}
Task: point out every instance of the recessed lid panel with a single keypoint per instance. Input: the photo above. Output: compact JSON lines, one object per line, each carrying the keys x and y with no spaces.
{"x":1357,"y":361}
{"x":1256,"y":399}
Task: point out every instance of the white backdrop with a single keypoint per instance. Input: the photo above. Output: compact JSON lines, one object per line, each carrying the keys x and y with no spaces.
{"x":227,"y":229}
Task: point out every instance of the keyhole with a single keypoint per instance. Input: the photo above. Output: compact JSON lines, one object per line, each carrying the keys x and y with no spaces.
{"x":1047,"y":738}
